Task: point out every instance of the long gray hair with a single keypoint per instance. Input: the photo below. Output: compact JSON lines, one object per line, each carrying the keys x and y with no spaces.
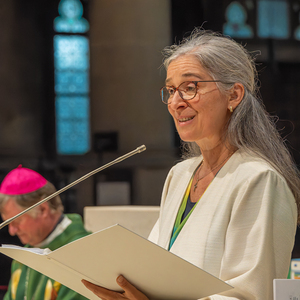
{"x":250,"y":127}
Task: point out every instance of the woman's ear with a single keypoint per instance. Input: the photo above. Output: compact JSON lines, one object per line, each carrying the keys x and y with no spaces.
{"x":235,"y":97}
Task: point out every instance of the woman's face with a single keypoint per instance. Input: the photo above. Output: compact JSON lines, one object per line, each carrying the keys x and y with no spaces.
{"x":202,"y":119}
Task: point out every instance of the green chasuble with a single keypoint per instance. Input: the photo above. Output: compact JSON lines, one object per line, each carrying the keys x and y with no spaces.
{"x":28,"y":284}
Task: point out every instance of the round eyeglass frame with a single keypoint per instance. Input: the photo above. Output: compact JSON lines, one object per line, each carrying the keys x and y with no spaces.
{"x":180,"y":92}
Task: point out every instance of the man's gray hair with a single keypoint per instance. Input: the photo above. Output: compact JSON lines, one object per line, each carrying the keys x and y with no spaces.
{"x":27,"y":200}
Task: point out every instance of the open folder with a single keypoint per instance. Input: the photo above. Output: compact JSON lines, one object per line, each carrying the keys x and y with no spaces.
{"x":103,"y":255}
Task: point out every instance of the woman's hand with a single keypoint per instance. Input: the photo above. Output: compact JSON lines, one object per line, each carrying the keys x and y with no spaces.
{"x":130,"y":292}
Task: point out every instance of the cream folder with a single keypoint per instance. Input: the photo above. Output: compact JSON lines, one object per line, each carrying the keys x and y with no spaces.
{"x":103,"y":255}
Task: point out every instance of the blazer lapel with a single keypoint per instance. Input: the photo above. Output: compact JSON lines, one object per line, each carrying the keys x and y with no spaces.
{"x":177,"y":189}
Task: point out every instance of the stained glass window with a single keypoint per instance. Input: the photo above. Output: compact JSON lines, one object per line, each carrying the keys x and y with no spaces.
{"x":236,"y":17}
{"x":297,"y":29}
{"x":273,"y":19}
{"x":70,"y":19}
{"x":71,"y":71}
{"x":270,"y":19}
{"x":71,"y":61}
{"x":72,"y":124}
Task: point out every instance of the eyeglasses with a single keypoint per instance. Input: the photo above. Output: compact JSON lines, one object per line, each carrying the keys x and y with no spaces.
{"x":187,"y":90}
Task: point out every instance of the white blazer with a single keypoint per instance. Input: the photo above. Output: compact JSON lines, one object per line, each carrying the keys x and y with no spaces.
{"x":242,"y":229}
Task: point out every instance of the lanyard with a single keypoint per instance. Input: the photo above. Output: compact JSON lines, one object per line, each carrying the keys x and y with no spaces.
{"x":178,"y":223}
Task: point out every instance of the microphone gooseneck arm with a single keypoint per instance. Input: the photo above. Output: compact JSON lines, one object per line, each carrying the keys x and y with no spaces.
{"x":121,"y":158}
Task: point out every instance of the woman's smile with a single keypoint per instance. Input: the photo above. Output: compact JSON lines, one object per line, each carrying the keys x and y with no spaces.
{"x":185,"y":119}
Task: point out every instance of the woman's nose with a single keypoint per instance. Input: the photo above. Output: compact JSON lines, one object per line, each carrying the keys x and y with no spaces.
{"x":177,"y":102}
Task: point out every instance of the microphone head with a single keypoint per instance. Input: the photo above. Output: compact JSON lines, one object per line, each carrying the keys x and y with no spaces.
{"x":141,"y":148}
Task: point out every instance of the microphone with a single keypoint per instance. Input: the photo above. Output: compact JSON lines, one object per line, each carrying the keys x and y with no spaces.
{"x":121,"y":158}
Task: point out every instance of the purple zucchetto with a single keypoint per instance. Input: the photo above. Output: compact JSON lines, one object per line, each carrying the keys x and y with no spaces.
{"x":22,"y":181}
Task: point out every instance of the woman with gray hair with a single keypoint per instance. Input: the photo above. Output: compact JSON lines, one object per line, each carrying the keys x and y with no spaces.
{"x":231,"y":206}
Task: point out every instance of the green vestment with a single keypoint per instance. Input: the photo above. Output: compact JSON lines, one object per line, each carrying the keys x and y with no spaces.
{"x":28,"y":284}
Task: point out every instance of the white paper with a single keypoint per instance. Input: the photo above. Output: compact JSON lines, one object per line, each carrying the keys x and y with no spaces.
{"x":103,"y":255}
{"x":34,"y":250}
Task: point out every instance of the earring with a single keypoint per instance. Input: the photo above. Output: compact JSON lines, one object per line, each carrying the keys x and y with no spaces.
{"x":230,"y":109}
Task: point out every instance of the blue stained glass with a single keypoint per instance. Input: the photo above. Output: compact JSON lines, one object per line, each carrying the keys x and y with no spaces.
{"x":71,"y":82}
{"x":297,"y":31}
{"x":273,"y":19}
{"x":72,"y":125}
{"x":71,"y":63}
{"x":70,"y":19}
{"x":64,"y":129}
{"x":72,"y":144}
{"x":71,"y":52}
{"x":81,"y":128}
{"x":68,"y":107}
{"x":236,"y":17}
{"x":72,"y":137}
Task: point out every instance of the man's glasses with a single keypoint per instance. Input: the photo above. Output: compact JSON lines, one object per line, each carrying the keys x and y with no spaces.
{"x":187,"y":90}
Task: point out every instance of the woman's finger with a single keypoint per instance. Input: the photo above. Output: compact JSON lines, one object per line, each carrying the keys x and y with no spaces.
{"x":130,"y":291}
{"x":101,"y":292}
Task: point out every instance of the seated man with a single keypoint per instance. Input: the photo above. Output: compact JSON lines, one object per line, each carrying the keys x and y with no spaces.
{"x":45,"y":226}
